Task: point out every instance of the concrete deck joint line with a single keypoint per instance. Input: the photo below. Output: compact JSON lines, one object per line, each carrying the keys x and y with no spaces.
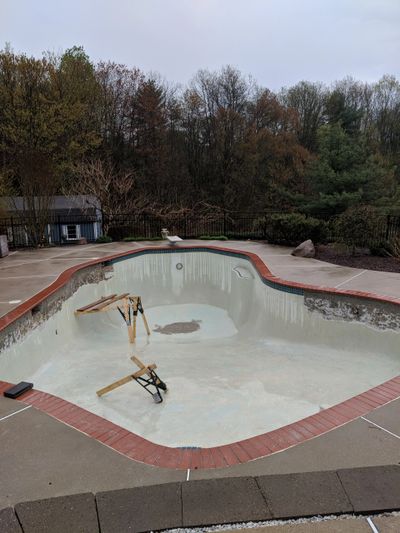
{"x":23,"y":262}
{"x":380,"y":427}
{"x":16,"y":412}
{"x":352,"y":277}
{"x":32,"y":276}
{"x":372,"y":525}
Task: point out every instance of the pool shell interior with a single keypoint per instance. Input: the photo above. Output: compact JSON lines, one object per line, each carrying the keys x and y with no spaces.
{"x":240,"y":315}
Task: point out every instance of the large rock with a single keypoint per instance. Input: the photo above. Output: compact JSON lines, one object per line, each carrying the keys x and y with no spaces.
{"x":305,"y":249}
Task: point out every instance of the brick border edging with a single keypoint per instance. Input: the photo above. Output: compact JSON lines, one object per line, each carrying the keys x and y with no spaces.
{"x":140,"y":449}
{"x":367,"y":490}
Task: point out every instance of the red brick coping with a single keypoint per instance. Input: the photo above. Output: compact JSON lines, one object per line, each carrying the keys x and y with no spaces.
{"x":140,"y":449}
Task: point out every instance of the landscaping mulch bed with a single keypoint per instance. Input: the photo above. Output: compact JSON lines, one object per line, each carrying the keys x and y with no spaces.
{"x":360,"y":260}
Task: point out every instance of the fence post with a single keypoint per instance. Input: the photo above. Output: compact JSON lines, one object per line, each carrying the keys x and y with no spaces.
{"x":102,"y":221}
{"x":59,"y":229}
{"x":12,"y":232}
{"x":387,"y":227}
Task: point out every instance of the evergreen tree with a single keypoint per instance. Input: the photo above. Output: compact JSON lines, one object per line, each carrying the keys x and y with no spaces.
{"x":345,"y":173}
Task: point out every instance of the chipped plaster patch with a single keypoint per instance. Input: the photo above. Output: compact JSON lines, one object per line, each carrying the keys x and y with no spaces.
{"x":378,"y":315}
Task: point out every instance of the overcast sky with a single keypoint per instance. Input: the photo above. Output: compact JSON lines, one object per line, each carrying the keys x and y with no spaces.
{"x":278,"y":42}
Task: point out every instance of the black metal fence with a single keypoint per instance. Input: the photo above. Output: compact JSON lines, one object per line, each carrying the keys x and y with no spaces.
{"x":385,"y":229}
{"x":69,"y":229}
{"x":238,"y":225}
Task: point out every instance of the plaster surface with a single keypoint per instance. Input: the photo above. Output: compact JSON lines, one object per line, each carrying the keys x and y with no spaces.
{"x":259,"y":360}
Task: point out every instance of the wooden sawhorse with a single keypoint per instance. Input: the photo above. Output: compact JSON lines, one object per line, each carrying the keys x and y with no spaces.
{"x":145,"y":376}
{"x":127,"y":305}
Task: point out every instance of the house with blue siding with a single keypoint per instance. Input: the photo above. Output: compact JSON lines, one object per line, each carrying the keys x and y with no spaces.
{"x":69,"y":220}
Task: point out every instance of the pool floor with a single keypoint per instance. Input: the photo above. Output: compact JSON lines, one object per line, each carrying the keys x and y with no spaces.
{"x":223,"y":385}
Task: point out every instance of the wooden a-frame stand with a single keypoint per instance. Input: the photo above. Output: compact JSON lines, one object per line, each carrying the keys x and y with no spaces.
{"x":127,"y":305}
{"x":145,"y":376}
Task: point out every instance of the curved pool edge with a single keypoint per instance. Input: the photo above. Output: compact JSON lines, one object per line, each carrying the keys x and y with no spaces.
{"x":142,"y":450}
{"x":265,"y":274}
{"x":139,"y":449}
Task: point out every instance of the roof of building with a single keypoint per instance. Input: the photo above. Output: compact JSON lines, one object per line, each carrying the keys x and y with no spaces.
{"x":81,"y":202}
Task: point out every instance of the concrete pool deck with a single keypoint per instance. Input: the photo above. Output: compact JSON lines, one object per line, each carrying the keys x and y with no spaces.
{"x":42,"y":457}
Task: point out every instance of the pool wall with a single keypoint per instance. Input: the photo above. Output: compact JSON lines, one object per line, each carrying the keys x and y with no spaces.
{"x":257,"y":309}
{"x":333,"y":304}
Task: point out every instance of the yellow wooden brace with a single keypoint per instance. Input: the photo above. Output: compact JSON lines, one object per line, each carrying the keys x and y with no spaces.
{"x":131,"y":306}
{"x":126,"y":379}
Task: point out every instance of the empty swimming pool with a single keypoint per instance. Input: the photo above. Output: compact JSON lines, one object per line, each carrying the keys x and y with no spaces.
{"x":240,"y":356}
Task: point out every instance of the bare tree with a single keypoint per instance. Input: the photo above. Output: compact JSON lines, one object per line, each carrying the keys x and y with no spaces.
{"x":308,"y":99}
{"x":33,"y":194}
{"x":115,"y":190}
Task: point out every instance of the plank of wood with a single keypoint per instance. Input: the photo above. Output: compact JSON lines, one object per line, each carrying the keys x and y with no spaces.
{"x":137,"y":361}
{"x":145,"y":370}
{"x":125,"y":379}
{"x":101,"y":306}
{"x":146,"y":325}
{"x":128,"y":318}
{"x":114,"y":385}
{"x":101,"y":300}
{"x":134,"y":311}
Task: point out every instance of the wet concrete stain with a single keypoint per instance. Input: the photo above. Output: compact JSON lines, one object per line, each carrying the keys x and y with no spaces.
{"x":178,"y":327}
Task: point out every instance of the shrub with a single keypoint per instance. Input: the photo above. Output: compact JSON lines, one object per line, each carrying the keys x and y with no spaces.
{"x":103,"y":239}
{"x":381,"y":249}
{"x":395,"y":246}
{"x":293,"y":228}
{"x":357,"y":227}
{"x":138,"y":239}
{"x":244,"y":235}
{"x":213,"y":238}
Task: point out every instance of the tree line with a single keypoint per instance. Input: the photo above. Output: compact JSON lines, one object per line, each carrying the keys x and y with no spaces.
{"x":222,"y":142}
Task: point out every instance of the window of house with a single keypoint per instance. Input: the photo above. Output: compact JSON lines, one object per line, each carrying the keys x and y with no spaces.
{"x":72,"y":232}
